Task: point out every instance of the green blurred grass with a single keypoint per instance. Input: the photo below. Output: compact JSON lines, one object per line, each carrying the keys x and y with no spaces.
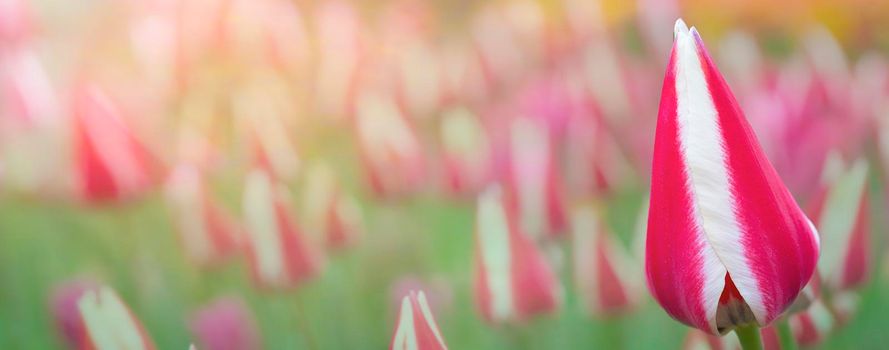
{"x":350,"y":306}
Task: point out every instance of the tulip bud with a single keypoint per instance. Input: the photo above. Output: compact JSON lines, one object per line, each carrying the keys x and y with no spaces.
{"x":262,"y":107}
{"x":727,"y":244}
{"x":94,"y":317}
{"x":416,"y":328}
{"x":535,"y":184}
{"x":225,"y":323}
{"x":513,"y":281}
{"x":280,"y":255}
{"x":110,"y":162}
{"x":812,"y":325}
{"x":604,"y":271}
{"x":389,"y":145}
{"x":467,"y":154}
{"x":328,"y":211}
{"x":208,"y":232}
{"x":841,"y":214}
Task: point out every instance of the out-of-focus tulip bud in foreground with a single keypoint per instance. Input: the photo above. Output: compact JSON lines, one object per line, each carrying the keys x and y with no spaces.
{"x":841,"y":214}
{"x":513,"y":281}
{"x":328,"y":211}
{"x":208,"y":232}
{"x":534,"y":182}
{"x":90,"y":316}
{"x":280,"y":254}
{"x":466,"y":151}
{"x":225,"y":323}
{"x":110,"y":162}
{"x":390,"y":148}
{"x":727,"y":245}
{"x":416,"y":328}
{"x":606,"y":276}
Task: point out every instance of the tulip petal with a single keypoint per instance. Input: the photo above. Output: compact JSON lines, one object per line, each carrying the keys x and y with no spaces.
{"x":417,"y":329}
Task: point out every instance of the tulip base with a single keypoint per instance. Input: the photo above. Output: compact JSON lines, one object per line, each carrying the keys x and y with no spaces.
{"x":749,"y":337}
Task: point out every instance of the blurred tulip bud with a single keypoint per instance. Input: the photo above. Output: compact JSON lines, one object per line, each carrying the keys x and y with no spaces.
{"x":225,"y":324}
{"x":604,"y":271}
{"x":467,"y":153}
{"x":727,"y":244}
{"x":208,"y":232}
{"x":497,"y":45}
{"x":811,"y":326}
{"x":110,"y":162}
{"x":280,"y":254}
{"x":328,"y":211}
{"x":390,"y":148}
{"x":513,"y":281}
{"x":338,"y":23}
{"x":534,"y":180}
{"x":90,"y":316}
{"x":26,"y":92}
{"x":16,"y":22}
{"x":416,"y":328}
{"x":420,"y":75}
{"x":841,"y":214}
{"x":262,"y":107}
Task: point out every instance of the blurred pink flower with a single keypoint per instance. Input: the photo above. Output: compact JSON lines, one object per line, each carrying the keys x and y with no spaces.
{"x":111,"y":163}
{"x":605,"y":272}
{"x":513,"y":281}
{"x":280,"y":254}
{"x":208,"y":232}
{"x":225,"y":323}
{"x":328,"y":211}
{"x":466,"y":152}
{"x":719,"y":214}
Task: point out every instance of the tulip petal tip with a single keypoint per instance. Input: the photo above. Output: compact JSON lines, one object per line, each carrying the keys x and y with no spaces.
{"x":679,"y":28}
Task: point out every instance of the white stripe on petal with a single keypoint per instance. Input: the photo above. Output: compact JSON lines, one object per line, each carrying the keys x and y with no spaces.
{"x":712,"y":203}
{"x":493,"y":231}
{"x":406,"y":334}
{"x":427,"y":314}
{"x":838,"y":218}
{"x":262,"y":225}
{"x":108,"y":322}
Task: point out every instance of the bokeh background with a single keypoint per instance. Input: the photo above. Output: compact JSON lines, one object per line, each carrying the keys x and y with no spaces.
{"x":406,"y":110}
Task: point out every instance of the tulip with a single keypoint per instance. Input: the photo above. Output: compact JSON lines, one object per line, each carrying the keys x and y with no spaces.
{"x":513,"y":281}
{"x":338,"y":23}
{"x":841,"y":215}
{"x":110,"y":162}
{"x":90,"y":316}
{"x":225,"y":323}
{"x":16,"y":24}
{"x":534,"y":182}
{"x":279,"y":253}
{"x":603,"y":269}
{"x":207,"y":231}
{"x":328,"y":211}
{"x":390,"y":148}
{"x":262,"y":107}
{"x":467,"y":153}
{"x":416,"y":328}
{"x":727,"y":247}
{"x":812,"y":325}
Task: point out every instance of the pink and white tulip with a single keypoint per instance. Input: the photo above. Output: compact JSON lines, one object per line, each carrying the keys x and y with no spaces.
{"x":280,"y":254}
{"x":225,"y":323}
{"x":604,"y":270}
{"x":416,"y":328}
{"x":841,"y":213}
{"x":111,"y":163}
{"x":727,"y":244}
{"x":390,"y":147}
{"x":328,"y":211}
{"x":513,"y":281}
{"x":93,"y":317}
{"x":533,"y":181}
{"x":466,"y":152}
{"x":208,"y":232}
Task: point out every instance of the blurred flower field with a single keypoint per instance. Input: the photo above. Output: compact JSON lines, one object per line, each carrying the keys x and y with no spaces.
{"x":289,"y":174}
